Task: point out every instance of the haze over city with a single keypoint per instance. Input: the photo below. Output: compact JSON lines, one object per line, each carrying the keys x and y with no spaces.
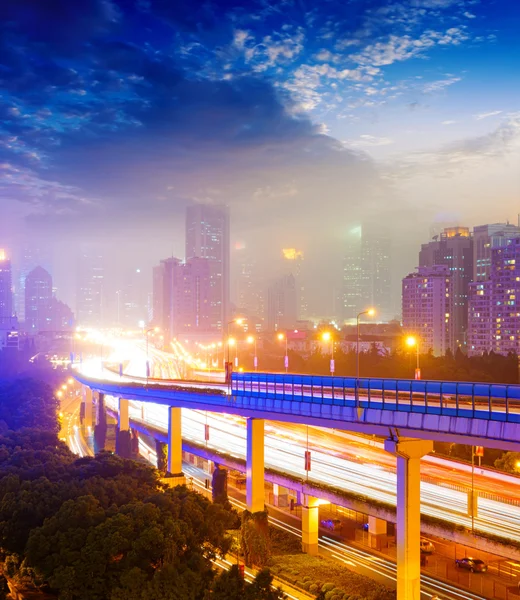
{"x":306,"y":120}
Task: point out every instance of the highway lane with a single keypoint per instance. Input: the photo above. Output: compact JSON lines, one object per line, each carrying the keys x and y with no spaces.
{"x":286,"y":454}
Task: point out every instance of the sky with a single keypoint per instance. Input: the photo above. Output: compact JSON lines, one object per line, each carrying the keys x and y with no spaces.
{"x":306,"y":118}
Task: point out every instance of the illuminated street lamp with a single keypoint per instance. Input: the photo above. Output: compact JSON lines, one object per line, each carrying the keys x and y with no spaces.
{"x":283,"y":336}
{"x":326,"y":336}
{"x":252,"y":340}
{"x":147,"y":332}
{"x":412,"y":341}
{"x":370,"y":312}
{"x":238,"y":321}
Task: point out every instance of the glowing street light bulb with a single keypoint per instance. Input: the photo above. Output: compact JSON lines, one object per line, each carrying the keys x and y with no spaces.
{"x":250,"y":339}
{"x":239,"y":321}
{"x":411,"y":341}
{"x":281,"y":336}
{"x":231,"y":342}
{"x":371,"y":312}
{"x":326,"y":336}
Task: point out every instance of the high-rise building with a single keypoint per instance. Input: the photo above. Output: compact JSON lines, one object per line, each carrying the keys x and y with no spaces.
{"x":427,"y":306}
{"x":6,"y":288}
{"x":181,"y":298}
{"x":207,"y":236}
{"x":480,"y":326}
{"x":494,"y":315}
{"x":367,"y":272}
{"x":89,"y":298}
{"x":249,"y":294}
{"x":282,"y":303}
{"x":486,"y":237}
{"x":294,"y":260}
{"x":38,"y":301}
{"x":32,"y":255}
{"x":454,"y":249}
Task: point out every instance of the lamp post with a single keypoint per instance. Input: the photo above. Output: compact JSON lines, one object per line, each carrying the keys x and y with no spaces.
{"x":238,"y":321}
{"x":147,"y":332}
{"x":412,"y":341}
{"x":370,"y":312}
{"x":252,"y":340}
{"x":327,"y":337}
{"x":282,"y":336}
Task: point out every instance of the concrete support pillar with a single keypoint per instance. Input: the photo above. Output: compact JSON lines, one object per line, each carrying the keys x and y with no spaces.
{"x":174,"y":441}
{"x":408,"y":530}
{"x":377,"y":526}
{"x":473,"y":503}
{"x":100,"y":416}
{"x":280,"y":495}
{"x":123,"y":420}
{"x":255,"y":485}
{"x":87,"y":406}
{"x":310,"y":525}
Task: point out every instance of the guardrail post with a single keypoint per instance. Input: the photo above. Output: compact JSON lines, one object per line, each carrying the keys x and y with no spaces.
{"x":255,"y":485}
{"x":409,"y":453}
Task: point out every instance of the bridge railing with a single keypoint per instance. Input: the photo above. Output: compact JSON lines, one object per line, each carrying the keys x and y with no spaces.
{"x":499,"y":402}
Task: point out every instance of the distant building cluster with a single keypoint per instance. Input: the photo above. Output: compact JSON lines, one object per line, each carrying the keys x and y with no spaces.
{"x":42,"y":312}
{"x":465,"y":293}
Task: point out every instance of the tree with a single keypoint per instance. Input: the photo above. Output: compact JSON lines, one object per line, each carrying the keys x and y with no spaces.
{"x":254,"y":538}
{"x":509,"y":462}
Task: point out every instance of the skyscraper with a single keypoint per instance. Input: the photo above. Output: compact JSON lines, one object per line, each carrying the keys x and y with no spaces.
{"x":249,"y":294}
{"x":181,"y":298}
{"x":38,"y":301}
{"x":207,"y":236}
{"x":294,"y":260}
{"x":494,"y":315}
{"x":366,"y":272}
{"x":282,"y":303}
{"x":427,"y":308}
{"x":6,"y":288}
{"x":89,"y":297}
{"x":454,"y":249}
{"x":486,"y":237}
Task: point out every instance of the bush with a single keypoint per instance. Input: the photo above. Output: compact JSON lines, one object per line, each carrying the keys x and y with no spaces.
{"x":313,"y":588}
{"x":327,"y":587}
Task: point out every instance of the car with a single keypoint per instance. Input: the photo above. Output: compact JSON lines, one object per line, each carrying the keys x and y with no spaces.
{"x":332,"y":524}
{"x":475,"y":565}
{"x":427,"y":547}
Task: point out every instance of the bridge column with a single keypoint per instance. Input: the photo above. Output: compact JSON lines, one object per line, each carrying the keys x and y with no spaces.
{"x":175,"y":445}
{"x":255,"y":485}
{"x":377,"y":526}
{"x":123,"y":420}
{"x":280,"y":495}
{"x":310,"y":525}
{"x":408,"y":533}
{"x":86,"y":393}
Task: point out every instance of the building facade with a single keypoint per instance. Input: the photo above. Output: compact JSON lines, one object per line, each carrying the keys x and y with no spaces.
{"x":367,"y":273}
{"x":6,"y":288}
{"x":486,"y":237}
{"x":182,"y":298}
{"x":427,"y":307}
{"x":207,"y":237}
{"x":454,"y":249}
{"x":282,"y":304}
{"x":38,"y":301}
{"x":90,"y":288}
{"x":480,"y":329}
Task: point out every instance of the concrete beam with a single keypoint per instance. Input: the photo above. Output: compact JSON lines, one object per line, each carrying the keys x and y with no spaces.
{"x":408,"y":531}
{"x":255,"y":483}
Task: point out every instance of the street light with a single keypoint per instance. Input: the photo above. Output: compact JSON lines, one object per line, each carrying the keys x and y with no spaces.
{"x":252,"y":340}
{"x":238,"y":321}
{"x":370,"y":312}
{"x":282,"y":336}
{"x":326,"y":336}
{"x":147,"y":332}
{"x":412,"y":341}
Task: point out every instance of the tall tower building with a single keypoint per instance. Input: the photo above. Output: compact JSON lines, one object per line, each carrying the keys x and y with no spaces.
{"x":207,"y":236}
{"x":366,"y":272}
{"x":427,"y":308}
{"x":282,"y":303}
{"x":89,"y":297}
{"x":294,"y":260}
{"x":38,"y":301}
{"x":181,"y":298}
{"x":486,"y":237}
{"x":6,"y":289}
{"x":454,"y":249}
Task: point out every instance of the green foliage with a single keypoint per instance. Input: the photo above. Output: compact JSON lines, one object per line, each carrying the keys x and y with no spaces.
{"x":509,"y":462}
{"x":28,"y":403}
{"x":162,"y":456}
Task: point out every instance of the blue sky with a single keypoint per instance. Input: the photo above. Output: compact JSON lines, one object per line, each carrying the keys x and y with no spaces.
{"x":306,"y":117}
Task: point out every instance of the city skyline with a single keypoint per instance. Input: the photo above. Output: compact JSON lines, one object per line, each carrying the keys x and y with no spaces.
{"x":328,"y":117}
